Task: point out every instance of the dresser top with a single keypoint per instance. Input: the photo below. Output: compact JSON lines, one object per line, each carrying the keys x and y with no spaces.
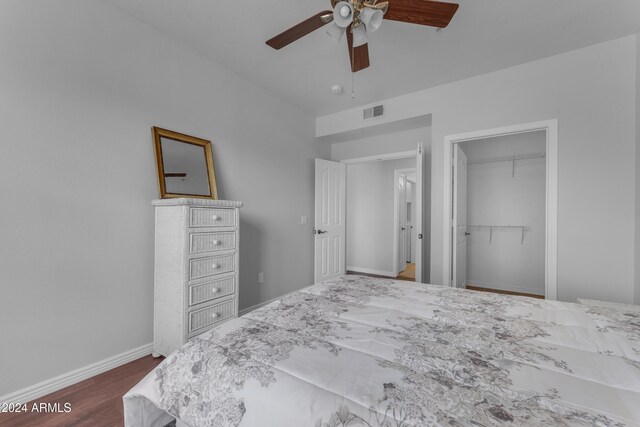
{"x":184,"y":201}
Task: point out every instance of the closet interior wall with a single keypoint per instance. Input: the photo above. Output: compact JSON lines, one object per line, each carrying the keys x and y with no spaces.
{"x":506,"y":212}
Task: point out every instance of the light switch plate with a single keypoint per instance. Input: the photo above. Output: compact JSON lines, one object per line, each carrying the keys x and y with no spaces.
{"x":304,"y":220}
{"x":260,"y":278}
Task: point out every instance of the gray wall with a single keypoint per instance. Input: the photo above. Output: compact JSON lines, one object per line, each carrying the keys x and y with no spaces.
{"x":637,"y":246}
{"x":592,"y":93}
{"x":405,"y":140}
{"x":80,"y":92}
{"x":497,"y":196}
{"x":370,"y":213}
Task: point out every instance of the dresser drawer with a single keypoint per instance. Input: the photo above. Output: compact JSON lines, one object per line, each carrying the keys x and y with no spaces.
{"x":211,"y":242}
{"x":209,"y":266}
{"x":209,"y":217}
{"x":202,"y":318}
{"x":207,"y":291}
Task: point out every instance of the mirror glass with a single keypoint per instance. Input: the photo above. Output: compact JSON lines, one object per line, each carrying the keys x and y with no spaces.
{"x":185,"y":165}
{"x":185,"y":168}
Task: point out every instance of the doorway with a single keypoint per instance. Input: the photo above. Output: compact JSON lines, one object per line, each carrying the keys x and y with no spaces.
{"x":500,"y":214}
{"x":372,"y":215}
{"x":405,"y":236}
{"x":501,"y":210}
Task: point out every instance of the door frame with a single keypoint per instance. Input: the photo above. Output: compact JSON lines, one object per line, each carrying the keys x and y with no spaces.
{"x":386,"y":156}
{"x":454,"y":216}
{"x":396,"y":215}
{"x":551,"y":224}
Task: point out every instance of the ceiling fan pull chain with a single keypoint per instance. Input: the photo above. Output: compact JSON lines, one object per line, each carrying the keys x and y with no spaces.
{"x":353,"y":90}
{"x":353,"y":74}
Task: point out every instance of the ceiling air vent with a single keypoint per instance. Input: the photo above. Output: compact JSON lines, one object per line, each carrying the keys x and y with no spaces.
{"x":376,"y":111}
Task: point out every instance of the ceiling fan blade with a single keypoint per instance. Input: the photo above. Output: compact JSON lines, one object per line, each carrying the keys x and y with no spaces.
{"x":301,"y":29}
{"x":359,"y":56}
{"x":421,"y":12}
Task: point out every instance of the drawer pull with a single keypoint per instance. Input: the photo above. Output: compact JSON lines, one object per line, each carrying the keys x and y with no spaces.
{"x":215,"y":290}
{"x":214,"y":315}
{"x":216,"y":242}
{"x":215,"y":266}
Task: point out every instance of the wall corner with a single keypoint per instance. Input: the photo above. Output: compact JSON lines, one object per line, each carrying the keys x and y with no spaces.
{"x":636,"y":295}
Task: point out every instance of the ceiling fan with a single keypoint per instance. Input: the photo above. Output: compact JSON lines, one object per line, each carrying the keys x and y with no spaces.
{"x":356,"y":17}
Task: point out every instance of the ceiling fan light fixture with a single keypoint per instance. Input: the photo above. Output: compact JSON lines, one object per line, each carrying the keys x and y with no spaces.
{"x":335,"y":32}
{"x":343,"y":14}
{"x":359,"y":35}
{"x":371,"y":18}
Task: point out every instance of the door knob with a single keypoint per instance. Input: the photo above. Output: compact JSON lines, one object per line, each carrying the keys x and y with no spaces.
{"x":466,"y":233}
{"x":321,"y":231}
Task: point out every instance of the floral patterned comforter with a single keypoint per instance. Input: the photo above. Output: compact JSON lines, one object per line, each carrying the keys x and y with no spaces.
{"x":358,"y":351}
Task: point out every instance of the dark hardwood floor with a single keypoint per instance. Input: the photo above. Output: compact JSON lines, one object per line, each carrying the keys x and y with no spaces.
{"x":96,"y":401}
{"x":472,"y":288}
{"x":381,"y":277}
{"x":497,"y":291}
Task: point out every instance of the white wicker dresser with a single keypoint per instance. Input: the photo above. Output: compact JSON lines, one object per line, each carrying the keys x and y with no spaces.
{"x":196,"y":268}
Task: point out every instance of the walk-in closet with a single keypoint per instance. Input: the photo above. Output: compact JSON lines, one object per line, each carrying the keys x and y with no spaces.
{"x":501,"y":205}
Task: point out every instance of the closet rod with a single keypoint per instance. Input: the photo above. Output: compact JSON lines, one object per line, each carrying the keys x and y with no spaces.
{"x":508,"y":158}
{"x":511,"y":159}
{"x":522,"y":228}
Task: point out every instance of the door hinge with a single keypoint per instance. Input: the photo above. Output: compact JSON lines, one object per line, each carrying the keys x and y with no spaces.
{"x":420,"y":236}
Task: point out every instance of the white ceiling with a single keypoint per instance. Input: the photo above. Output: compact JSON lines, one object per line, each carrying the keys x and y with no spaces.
{"x":484,"y":36}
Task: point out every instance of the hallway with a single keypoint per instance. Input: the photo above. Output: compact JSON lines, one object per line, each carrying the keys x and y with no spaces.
{"x":409,"y":273}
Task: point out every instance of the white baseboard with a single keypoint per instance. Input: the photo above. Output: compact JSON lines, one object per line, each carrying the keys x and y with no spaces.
{"x":33,"y":392}
{"x":500,"y":287}
{"x":257,"y":306}
{"x":389,"y":274}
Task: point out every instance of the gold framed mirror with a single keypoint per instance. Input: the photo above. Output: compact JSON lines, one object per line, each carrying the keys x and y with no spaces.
{"x":185,"y":165}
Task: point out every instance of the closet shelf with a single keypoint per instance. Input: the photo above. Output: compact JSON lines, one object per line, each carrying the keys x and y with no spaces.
{"x":512,"y":159}
{"x":522,"y":228}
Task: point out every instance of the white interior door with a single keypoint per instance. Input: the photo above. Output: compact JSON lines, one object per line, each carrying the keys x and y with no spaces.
{"x":401,"y":224}
{"x":459,"y":218}
{"x":330,"y":200}
{"x":417,"y":221}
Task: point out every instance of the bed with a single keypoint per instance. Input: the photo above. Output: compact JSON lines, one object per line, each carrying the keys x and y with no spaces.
{"x":360,"y":351}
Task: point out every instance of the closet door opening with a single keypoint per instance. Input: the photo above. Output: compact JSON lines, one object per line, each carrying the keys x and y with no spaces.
{"x":499,"y":214}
